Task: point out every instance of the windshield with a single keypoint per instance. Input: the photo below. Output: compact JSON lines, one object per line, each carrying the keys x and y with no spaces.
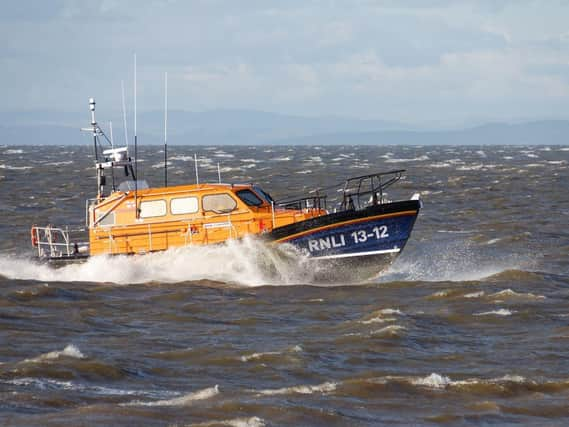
{"x":249,"y":197}
{"x":263,"y":194}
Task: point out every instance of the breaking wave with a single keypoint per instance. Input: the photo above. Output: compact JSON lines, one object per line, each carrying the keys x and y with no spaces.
{"x":499,"y":312}
{"x":478,"y":294}
{"x":504,"y":385}
{"x":186,"y":399}
{"x":415,"y":159}
{"x":326,"y":387}
{"x":235,"y":422}
{"x":269,"y":354}
{"x":69,"y":351}
{"x":509,"y":293}
{"x":381,"y":316}
{"x":436,"y":382}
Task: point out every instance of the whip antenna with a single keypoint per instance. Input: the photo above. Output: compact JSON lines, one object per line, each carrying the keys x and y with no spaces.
{"x":135,"y":149}
{"x":111,"y":134}
{"x":196,"y":165}
{"x":166,"y":129}
{"x":124,"y":116}
{"x":218,"y":173}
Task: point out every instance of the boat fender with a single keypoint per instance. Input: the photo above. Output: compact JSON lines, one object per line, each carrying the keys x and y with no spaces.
{"x":34,"y":236}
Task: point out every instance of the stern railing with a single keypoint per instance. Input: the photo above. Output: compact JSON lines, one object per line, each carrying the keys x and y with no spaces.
{"x":55,"y":242}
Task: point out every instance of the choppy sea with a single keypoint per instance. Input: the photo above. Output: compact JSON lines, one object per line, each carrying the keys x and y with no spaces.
{"x":470,"y":326}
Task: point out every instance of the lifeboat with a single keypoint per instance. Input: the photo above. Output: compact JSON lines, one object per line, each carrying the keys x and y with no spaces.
{"x":356,"y":239}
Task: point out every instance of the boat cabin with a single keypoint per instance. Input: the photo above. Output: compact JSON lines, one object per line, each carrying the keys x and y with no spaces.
{"x":184,"y":215}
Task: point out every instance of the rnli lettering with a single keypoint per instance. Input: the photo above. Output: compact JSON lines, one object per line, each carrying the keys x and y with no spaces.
{"x":339,"y":240}
{"x":329,"y":242}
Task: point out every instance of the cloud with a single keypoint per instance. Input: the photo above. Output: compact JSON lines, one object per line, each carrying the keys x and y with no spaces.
{"x":397,"y":60}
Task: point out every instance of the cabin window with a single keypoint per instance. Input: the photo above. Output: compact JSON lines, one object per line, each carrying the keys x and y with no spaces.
{"x":152,"y":208}
{"x":107,"y":220}
{"x":184,"y":205}
{"x":219,"y":203}
{"x":249,"y":198}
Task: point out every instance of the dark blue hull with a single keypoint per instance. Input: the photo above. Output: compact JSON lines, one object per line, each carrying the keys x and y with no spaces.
{"x":354,"y":244}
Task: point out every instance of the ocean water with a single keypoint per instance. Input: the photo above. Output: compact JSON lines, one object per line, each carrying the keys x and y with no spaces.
{"x":470,"y":326}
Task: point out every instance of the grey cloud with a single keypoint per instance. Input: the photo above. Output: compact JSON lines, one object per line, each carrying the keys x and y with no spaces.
{"x":305,"y":57}
{"x":31,"y":10}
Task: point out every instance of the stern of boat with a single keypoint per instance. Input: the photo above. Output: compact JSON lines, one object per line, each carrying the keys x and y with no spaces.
{"x":59,"y":244}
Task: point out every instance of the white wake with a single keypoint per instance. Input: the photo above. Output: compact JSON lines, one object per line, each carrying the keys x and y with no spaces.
{"x":249,"y":262}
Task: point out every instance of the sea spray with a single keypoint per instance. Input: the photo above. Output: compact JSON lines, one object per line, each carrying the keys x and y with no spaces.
{"x":453,"y":260}
{"x":249,"y":262}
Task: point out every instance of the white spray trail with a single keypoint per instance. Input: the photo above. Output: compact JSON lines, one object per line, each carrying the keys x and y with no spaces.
{"x":249,"y":262}
{"x":252,"y":262}
{"x":456,"y":261}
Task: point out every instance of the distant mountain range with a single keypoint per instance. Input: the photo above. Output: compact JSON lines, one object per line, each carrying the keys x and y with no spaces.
{"x":244,"y":127}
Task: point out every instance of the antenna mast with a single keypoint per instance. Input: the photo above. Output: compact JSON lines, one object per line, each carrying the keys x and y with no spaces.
{"x":108,"y":159}
{"x":94,"y":126}
{"x":166,"y":129}
{"x":135,"y":149}
{"x":196,"y":164}
{"x":124,"y":116}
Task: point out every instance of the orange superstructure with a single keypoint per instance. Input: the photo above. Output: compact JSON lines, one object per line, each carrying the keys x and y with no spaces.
{"x":184,"y":215}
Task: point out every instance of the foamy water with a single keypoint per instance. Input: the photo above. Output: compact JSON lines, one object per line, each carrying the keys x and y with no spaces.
{"x":252,"y":262}
{"x":248,"y":262}
{"x":454,"y":260}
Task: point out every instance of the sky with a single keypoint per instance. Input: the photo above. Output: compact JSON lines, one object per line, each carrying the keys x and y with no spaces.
{"x":440,"y":63}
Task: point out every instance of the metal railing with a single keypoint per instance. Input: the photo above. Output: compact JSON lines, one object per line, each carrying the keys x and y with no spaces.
{"x":54,"y":242}
{"x":355,"y":193}
{"x":316,"y":202}
{"x":368,"y":190}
